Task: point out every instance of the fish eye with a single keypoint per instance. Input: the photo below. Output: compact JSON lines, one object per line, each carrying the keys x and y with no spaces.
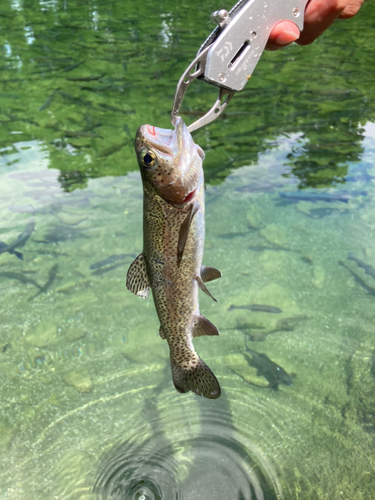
{"x":148,"y":158}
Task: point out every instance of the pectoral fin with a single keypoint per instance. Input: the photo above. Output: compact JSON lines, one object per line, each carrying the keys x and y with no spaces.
{"x":203,"y":287}
{"x":202,"y":326}
{"x":209,"y":274}
{"x":136,"y":279}
{"x":184,"y":231}
{"x":18,"y":254}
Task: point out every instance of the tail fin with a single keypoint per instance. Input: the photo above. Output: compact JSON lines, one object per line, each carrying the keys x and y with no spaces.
{"x":198,"y":379}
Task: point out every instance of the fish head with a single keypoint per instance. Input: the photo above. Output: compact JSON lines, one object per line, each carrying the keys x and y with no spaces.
{"x":283,"y":376}
{"x":170,"y":162}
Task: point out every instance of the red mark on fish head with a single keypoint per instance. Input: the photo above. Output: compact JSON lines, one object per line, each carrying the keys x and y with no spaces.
{"x":189,"y":197}
{"x":151,"y":130}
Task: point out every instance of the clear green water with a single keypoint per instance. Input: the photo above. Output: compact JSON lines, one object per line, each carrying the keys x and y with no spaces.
{"x":86,"y":392}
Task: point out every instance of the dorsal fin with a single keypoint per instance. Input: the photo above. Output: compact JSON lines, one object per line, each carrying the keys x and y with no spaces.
{"x":203,"y":287}
{"x":209,"y":274}
{"x":202,"y":326}
{"x":136,"y":279}
{"x":184,"y":231}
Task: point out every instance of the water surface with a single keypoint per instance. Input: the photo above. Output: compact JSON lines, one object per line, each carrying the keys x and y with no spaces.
{"x":87,"y":407}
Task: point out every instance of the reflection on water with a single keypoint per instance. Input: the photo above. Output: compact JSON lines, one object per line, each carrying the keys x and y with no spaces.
{"x":87,"y":407}
{"x":83,"y":77}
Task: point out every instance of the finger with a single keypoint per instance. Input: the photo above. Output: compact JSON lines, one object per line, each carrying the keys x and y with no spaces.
{"x":351,"y":9}
{"x":319,"y":15}
{"x":282,"y":34}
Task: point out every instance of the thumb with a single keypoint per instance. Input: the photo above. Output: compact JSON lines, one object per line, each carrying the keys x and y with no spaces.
{"x":282,"y":34}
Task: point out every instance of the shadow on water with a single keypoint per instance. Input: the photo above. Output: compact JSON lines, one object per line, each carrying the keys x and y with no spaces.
{"x":208,"y":459}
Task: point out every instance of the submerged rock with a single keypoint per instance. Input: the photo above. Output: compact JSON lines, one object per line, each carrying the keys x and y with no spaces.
{"x":80,"y":379}
{"x":274,"y":234}
{"x":43,"y":335}
{"x":8,"y":370}
{"x":318,"y":276}
{"x":71,"y":219}
{"x":5,"y":435}
{"x":254,"y":217}
{"x":74,"y":333}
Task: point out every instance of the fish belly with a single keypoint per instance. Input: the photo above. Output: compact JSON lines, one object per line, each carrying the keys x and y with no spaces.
{"x":175,"y":291}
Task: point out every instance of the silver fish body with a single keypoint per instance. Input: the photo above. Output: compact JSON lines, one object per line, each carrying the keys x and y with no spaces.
{"x":173,"y":243}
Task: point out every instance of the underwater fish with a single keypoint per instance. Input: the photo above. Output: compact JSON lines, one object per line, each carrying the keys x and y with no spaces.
{"x":112,"y":259}
{"x":343,"y":196}
{"x":246,"y":326}
{"x":5,"y":347}
{"x":369,"y":270}
{"x":78,"y":133}
{"x":362,"y":177}
{"x":19,"y":242}
{"x":19,"y":277}
{"x":230,"y":236}
{"x":257,"y":308}
{"x":49,"y":99}
{"x":85,"y":78}
{"x":370,"y":290}
{"x":4,"y":246}
{"x":173,"y":241}
{"x":275,"y":248}
{"x":372,"y":364}
{"x":52,"y":273}
{"x":72,"y":66}
{"x":25,"y":209}
{"x":282,"y":325}
{"x":57,"y":234}
{"x":112,"y":149}
{"x":319,"y":213}
{"x":113,"y":108}
{"x":267,"y":368}
{"x":260,"y":186}
{"x":107,"y":269}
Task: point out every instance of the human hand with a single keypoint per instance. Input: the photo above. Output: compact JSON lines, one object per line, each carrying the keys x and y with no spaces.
{"x":319,"y":15}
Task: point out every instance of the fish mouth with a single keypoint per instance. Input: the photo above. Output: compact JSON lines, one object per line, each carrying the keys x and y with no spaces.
{"x":176,"y":176}
{"x":177,"y":200}
{"x":158,"y":138}
{"x":151,"y":130}
{"x":167,"y":141}
{"x":190,"y":196}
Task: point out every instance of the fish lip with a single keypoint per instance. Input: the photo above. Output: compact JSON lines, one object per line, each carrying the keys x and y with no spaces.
{"x":151,"y":130}
{"x":190,"y":196}
{"x":158,"y":138}
{"x":188,"y":199}
{"x":162,"y":139}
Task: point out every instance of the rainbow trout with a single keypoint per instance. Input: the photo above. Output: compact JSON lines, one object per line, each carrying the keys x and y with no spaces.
{"x":173,"y":240}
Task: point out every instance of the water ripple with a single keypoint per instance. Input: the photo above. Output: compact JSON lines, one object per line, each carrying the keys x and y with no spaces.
{"x":201,"y":457}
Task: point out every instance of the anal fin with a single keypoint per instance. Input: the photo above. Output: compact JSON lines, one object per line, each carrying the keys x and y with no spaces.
{"x":136,"y":279}
{"x":162,"y":333}
{"x":202,"y":326}
{"x":209,"y":274}
{"x":203,"y":287}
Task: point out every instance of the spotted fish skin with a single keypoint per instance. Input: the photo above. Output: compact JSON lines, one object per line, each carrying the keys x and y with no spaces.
{"x":173,"y":242}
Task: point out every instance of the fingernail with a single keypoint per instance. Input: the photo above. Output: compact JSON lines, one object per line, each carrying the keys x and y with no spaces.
{"x":286,"y":37}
